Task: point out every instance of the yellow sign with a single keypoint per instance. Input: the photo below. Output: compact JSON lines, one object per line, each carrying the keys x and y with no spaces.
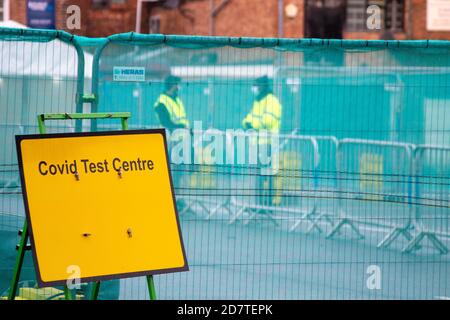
{"x":371,"y":175}
{"x":100,"y":205}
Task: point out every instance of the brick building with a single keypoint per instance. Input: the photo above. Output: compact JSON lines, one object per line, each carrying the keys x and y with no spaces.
{"x":406,"y":19}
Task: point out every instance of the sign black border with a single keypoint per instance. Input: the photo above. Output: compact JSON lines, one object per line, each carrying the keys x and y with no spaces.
{"x":20,"y":138}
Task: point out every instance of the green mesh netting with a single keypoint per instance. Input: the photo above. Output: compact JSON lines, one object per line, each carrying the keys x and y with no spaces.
{"x":363,"y":164}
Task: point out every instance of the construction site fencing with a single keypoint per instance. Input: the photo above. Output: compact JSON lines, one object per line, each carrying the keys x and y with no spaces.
{"x":362,"y":145}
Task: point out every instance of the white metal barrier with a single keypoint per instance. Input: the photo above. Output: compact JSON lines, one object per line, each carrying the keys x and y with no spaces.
{"x":375,"y":187}
{"x":9,"y":173}
{"x":286,"y":193}
{"x":372,"y":183}
{"x":325,"y":184}
{"x":432,"y":193}
{"x":208,"y":183}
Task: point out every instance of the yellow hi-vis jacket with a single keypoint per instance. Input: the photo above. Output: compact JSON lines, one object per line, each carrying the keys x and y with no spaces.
{"x":265,"y":115}
{"x":175,"y":108}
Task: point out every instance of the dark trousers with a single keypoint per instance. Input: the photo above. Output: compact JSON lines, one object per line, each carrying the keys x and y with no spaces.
{"x":265,"y":185}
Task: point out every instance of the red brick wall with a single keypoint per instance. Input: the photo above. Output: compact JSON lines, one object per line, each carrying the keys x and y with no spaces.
{"x":415,"y":25}
{"x":258,"y":18}
{"x":237,"y":18}
{"x":99,"y":22}
{"x":294,"y":27}
{"x":372,"y":35}
{"x":241,"y":18}
{"x":94,"y":22}
{"x":116,"y":19}
{"x":418,"y":26}
{"x":17,"y":11}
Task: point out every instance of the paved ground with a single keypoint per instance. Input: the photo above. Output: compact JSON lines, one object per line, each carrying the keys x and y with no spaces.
{"x":254,"y":262}
{"x":260,"y":261}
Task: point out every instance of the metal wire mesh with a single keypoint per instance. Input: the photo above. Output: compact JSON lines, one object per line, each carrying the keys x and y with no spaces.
{"x":359,"y":173}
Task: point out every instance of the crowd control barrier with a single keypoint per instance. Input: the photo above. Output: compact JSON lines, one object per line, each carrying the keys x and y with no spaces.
{"x":282,"y":191}
{"x":371,"y":174}
{"x":206,"y":178}
{"x":325,"y":186}
{"x":432,"y":191}
{"x":360,"y":108}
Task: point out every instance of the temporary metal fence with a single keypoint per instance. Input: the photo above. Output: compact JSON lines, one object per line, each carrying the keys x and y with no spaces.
{"x":278,"y":190}
{"x":432,"y":191}
{"x":40,"y":71}
{"x":375,"y":186}
{"x":210,"y":171}
{"x":326,"y":192}
{"x":358,"y":108}
{"x":367,"y":175}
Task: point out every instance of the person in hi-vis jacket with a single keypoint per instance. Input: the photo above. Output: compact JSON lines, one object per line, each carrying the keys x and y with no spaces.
{"x":265,"y":114}
{"x":169,"y":107}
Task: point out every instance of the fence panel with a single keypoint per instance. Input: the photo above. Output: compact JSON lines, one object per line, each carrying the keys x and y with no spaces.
{"x":432,"y":189}
{"x":375,"y":187}
{"x":326,"y":194}
{"x":205,"y":180}
{"x":347,"y":89}
{"x":40,"y":72}
{"x":333,"y":94}
{"x":282,"y":190}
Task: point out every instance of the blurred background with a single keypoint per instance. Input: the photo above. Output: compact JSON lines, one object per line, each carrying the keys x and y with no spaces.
{"x":364,"y":182}
{"x":337,"y":19}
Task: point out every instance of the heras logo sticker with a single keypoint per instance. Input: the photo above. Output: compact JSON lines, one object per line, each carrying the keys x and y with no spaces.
{"x":129,"y":74}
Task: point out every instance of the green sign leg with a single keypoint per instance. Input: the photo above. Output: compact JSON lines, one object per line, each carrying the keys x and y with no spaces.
{"x":41,"y":124}
{"x":67,"y":293}
{"x":151,"y":288}
{"x":95,"y":290}
{"x":124,"y":122}
{"x":19,"y":262}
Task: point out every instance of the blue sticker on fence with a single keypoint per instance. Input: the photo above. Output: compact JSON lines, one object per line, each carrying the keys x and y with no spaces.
{"x":129,"y":74}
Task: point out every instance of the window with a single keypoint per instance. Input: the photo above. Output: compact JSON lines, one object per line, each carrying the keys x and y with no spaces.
{"x":2,"y":10}
{"x":356,"y":15}
{"x":154,"y":24}
{"x":392,"y":14}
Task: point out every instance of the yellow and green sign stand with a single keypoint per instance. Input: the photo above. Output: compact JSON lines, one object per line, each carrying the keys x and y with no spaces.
{"x":102,"y":202}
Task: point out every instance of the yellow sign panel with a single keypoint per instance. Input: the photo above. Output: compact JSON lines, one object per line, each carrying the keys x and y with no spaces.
{"x":371,"y":174}
{"x":100,"y":205}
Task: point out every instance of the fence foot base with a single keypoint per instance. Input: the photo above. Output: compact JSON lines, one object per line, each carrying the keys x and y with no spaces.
{"x":295,"y":226}
{"x":189,"y":205}
{"x":341,"y":224}
{"x":309,"y":216}
{"x":394,"y":234}
{"x":253,"y":213}
{"x":273,"y":220}
{"x":234,"y":217}
{"x":224,"y":205}
{"x":414,"y":243}
{"x":315,"y":222}
{"x":185,"y":209}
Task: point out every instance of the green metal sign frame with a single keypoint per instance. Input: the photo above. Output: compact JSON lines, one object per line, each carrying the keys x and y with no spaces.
{"x":23,"y":244}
